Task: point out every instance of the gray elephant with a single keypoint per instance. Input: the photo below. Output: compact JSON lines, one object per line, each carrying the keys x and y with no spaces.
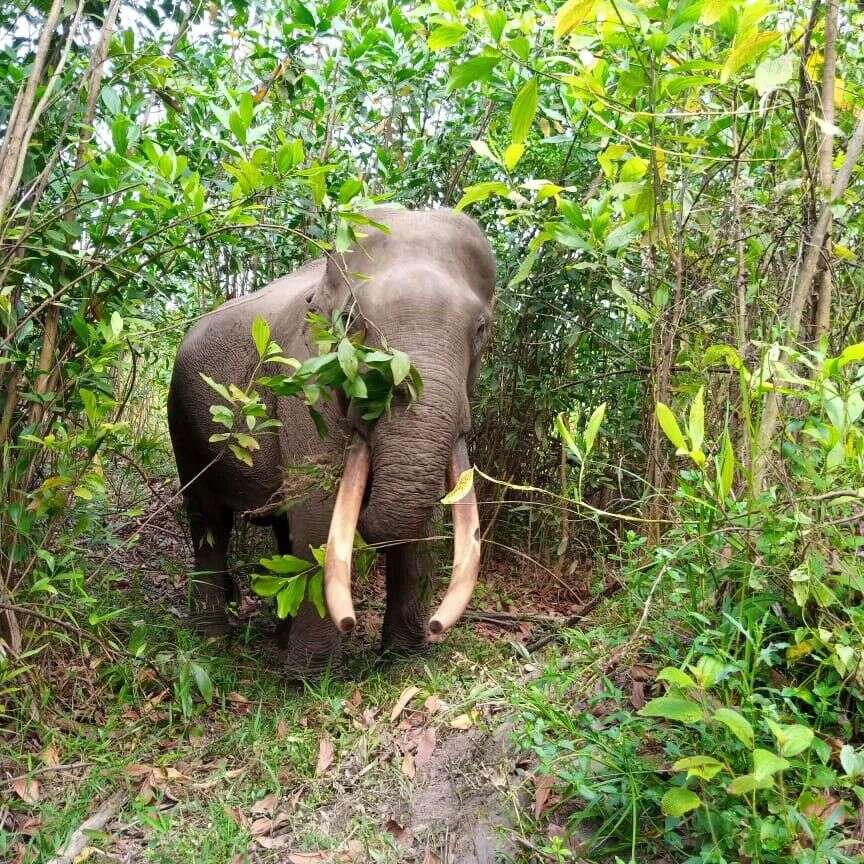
{"x":424,"y":287}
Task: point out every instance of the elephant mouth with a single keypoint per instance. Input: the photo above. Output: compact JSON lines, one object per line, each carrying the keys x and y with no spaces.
{"x":343,"y":524}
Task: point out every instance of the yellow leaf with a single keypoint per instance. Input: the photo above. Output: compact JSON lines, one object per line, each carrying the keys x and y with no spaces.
{"x":814,"y":66}
{"x":746,"y":52}
{"x":463,"y":486}
{"x":843,"y":252}
{"x":571,"y":15}
{"x":512,"y":155}
{"x":464,"y":721}
{"x":406,"y":696}
{"x":713,"y":11}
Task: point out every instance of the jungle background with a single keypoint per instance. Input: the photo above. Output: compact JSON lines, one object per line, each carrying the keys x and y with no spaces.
{"x":664,"y":659}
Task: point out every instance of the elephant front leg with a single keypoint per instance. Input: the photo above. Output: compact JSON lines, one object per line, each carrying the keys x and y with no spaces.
{"x":312,"y":644}
{"x":410,"y":582}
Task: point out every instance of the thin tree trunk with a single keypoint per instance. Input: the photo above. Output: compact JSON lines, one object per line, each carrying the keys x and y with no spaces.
{"x":822,"y":321}
{"x":20,"y":126}
{"x":801,"y":291}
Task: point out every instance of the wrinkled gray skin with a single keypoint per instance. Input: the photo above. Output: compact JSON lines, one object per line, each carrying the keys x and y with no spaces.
{"x":427,"y":289}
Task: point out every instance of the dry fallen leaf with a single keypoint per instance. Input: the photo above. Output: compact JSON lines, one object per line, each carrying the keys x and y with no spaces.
{"x":354,"y":853}
{"x":400,"y":833}
{"x":50,"y":756}
{"x":266,"y":825}
{"x":281,"y":730}
{"x":266,"y":805}
{"x":406,"y":696}
{"x":431,"y":858}
{"x":306,"y":857}
{"x":271,"y":842}
{"x":83,"y":855}
{"x":27,"y":789}
{"x":542,"y":788}
{"x":425,"y":748}
{"x":432,"y":704}
{"x":325,"y":756}
{"x":408,"y":768}
{"x":463,"y":721}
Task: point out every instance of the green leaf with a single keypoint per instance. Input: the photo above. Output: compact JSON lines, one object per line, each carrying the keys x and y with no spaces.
{"x":261,"y":335}
{"x":670,"y":427}
{"x":677,"y":801}
{"x":766,"y":764}
{"x":725,"y":467}
{"x":267,"y":586}
{"x":852,"y":354}
{"x":315,"y":591}
{"x":446,"y":35}
{"x":496,"y":20}
{"x":571,"y":15}
{"x":242,"y":455}
{"x":116,"y":323}
{"x":739,"y":726}
{"x":523,"y":111}
{"x":746,"y":52}
{"x":202,"y":681}
{"x":676,"y":677}
{"x":481,"y":191}
{"x":286,"y":564}
{"x":673,"y":708}
{"x":745,"y":784}
{"x":222,"y":415}
{"x":221,"y":389}
{"x":400,"y":366}
{"x":593,"y":427}
{"x":513,"y":154}
{"x":793,"y":739}
{"x":347,"y":355}
{"x":566,"y":436}
{"x":476,"y":69}
{"x":288,"y":600}
{"x":463,"y":486}
{"x":633,"y":169}
{"x":774,"y":72}
{"x":704,"y":767}
{"x":696,"y":420}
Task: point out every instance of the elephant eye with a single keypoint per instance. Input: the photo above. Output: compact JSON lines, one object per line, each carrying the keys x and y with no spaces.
{"x":480,"y":334}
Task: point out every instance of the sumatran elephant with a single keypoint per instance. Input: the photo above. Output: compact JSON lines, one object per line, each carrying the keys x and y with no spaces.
{"x":424,"y":287}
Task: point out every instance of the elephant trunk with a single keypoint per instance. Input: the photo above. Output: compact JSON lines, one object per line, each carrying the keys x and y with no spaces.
{"x":412,"y":455}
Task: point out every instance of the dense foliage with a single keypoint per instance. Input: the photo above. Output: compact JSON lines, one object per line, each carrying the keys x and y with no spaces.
{"x":674,"y":194}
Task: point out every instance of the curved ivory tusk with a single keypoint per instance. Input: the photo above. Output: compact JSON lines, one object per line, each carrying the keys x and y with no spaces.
{"x":466,"y":548}
{"x":340,"y":540}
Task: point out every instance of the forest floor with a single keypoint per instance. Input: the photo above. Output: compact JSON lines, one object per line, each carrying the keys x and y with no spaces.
{"x":201,"y":752}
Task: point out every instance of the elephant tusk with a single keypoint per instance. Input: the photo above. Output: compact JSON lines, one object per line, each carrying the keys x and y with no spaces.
{"x":466,"y":548}
{"x":340,"y":540}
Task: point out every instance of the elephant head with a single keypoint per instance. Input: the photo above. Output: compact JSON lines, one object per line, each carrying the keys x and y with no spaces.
{"x":426,"y":288}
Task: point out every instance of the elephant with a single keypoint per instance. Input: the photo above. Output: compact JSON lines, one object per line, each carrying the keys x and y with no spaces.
{"x":425,"y":286}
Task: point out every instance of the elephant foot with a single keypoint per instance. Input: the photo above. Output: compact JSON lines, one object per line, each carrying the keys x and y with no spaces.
{"x":303,"y":666}
{"x":404,"y":645}
{"x":208,"y":622}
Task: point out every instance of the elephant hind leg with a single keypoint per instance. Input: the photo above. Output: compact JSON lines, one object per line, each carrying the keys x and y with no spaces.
{"x":210,"y":525}
{"x":282,"y":532}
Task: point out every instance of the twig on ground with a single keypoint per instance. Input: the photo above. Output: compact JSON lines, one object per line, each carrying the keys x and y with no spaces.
{"x":507,"y":617}
{"x":97,"y":822}
{"x":611,"y":588}
{"x":47,"y":769}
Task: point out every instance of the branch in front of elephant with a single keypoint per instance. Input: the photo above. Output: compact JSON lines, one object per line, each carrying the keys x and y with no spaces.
{"x":595,"y":510}
{"x":135,"y":535}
